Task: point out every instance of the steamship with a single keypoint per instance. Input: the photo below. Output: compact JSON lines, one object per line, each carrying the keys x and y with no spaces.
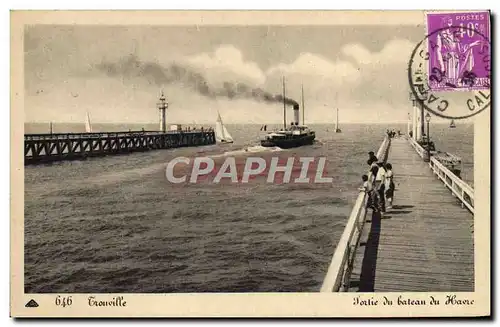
{"x":294,"y":136}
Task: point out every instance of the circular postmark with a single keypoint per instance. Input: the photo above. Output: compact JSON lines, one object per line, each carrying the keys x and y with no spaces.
{"x":451,"y":78}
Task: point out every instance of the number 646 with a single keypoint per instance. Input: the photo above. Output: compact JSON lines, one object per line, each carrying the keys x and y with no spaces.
{"x":63,"y":301}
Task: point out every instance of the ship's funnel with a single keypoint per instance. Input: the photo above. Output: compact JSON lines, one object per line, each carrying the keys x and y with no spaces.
{"x":296,"y":114}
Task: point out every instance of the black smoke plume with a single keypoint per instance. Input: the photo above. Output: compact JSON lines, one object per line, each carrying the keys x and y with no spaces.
{"x":159,"y":75}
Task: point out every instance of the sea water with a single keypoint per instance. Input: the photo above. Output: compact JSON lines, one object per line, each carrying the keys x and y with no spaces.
{"x":115,"y":224}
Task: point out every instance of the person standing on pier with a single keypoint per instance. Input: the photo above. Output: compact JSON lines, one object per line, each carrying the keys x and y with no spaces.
{"x":380,"y":186}
{"x":389,"y":185}
{"x":373,"y":166}
{"x":375,"y":194}
{"x":368,"y":188}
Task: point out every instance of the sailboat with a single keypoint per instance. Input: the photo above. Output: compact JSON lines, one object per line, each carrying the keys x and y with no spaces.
{"x":337,"y":129}
{"x":51,"y":129}
{"x":88,"y":126}
{"x":221,"y":133}
{"x":452,"y":124}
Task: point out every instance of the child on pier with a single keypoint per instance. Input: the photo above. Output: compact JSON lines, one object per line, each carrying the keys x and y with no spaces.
{"x":368,"y":188}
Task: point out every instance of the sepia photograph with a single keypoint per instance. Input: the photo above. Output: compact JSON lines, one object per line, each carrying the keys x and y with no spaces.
{"x":255,"y":157}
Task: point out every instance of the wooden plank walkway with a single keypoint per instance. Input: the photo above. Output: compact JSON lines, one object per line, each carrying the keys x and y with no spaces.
{"x":425,"y":243}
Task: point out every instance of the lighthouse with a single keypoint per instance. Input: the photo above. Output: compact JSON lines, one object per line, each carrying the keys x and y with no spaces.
{"x":162,"y":107}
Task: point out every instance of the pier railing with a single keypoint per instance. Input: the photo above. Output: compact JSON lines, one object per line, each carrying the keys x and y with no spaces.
{"x":338,"y":276}
{"x":458,"y":187}
{"x":65,"y":136}
{"x":420,"y":150}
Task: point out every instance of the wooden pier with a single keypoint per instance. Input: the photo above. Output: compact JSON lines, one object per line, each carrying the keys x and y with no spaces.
{"x":425,"y":243}
{"x":43,"y":148}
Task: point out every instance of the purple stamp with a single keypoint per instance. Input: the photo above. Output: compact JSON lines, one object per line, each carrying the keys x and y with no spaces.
{"x":459,"y":51}
{"x":454,"y":55}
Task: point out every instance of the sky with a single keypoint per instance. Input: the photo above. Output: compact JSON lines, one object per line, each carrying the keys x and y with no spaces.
{"x":116,"y":73}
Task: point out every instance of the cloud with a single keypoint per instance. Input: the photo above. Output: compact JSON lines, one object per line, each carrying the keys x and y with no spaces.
{"x":360,"y":54}
{"x":383,"y":75}
{"x":357,"y":79}
{"x":226,"y":64}
{"x":394,"y":51}
{"x":364,"y":81}
{"x":397,"y":50}
{"x":308,"y":64}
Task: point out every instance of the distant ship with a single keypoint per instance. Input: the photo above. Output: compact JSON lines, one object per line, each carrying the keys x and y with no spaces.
{"x":221,"y":133}
{"x":337,"y":129}
{"x":452,"y":124}
{"x":296,"y":135}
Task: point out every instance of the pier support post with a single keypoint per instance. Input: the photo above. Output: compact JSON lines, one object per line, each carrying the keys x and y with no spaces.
{"x":418,"y":128}
{"x":408,"y":127}
{"x":414,"y":123}
{"x":418,"y":121}
{"x":422,"y":120}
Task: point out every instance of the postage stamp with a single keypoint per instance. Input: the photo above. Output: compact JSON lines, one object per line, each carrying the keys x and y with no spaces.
{"x":250,"y":164}
{"x":459,"y":51}
{"x":449,"y":70}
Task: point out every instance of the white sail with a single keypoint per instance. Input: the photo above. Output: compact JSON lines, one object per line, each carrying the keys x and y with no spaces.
{"x":88,"y":125}
{"x":221,"y":133}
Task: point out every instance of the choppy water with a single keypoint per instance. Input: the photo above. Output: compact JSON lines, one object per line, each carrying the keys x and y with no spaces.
{"x":115,"y":224}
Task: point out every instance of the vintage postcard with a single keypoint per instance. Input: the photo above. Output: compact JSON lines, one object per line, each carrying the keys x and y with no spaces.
{"x":250,"y":164}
